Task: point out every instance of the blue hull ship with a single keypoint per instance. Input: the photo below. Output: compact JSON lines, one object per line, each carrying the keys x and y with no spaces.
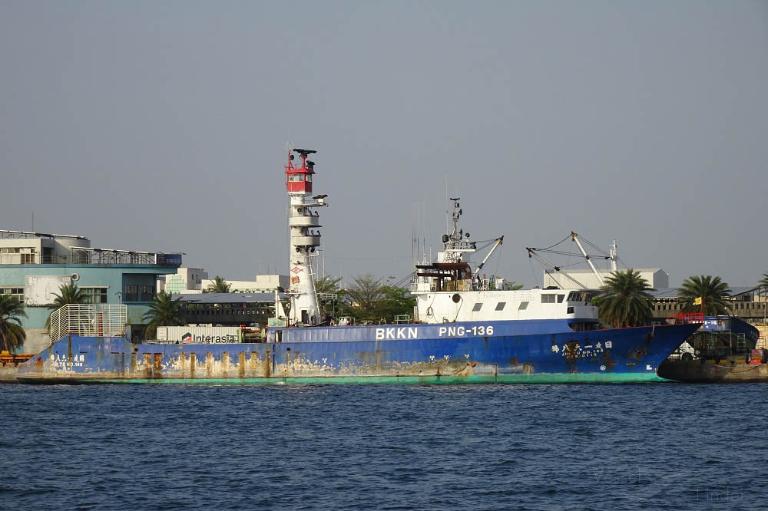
{"x":546,"y":351}
{"x":467,"y":328}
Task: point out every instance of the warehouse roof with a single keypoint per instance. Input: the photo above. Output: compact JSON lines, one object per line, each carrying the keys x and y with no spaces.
{"x":212,"y":298}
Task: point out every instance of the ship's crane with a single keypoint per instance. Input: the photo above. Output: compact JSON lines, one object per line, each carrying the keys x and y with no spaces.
{"x":534,"y":253}
{"x":575,"y":238}
{"x":551,"y":269}
{"x":498,"y":241}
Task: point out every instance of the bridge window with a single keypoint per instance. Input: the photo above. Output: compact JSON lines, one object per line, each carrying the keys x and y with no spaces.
{"x":500,"y":306}
{"x":522,"y":306}
{"x":547,"y":298}
{"x":581,"y":296}
{"x":477,"y":307}
{"x":560,"y":298}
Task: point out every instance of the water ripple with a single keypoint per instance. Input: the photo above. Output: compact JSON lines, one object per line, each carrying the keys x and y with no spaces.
{"x":383,"y":447}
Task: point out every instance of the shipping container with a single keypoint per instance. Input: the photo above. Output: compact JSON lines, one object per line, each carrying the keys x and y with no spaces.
{"x":199,"y":334}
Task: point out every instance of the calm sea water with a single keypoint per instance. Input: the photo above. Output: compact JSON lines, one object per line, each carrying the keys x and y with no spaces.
{"x":653,"y":446}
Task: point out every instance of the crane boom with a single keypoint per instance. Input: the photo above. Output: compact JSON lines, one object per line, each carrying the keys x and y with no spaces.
{"x":575,"y":238}
{"x":532,"y":252}
{"x":498,"y":242}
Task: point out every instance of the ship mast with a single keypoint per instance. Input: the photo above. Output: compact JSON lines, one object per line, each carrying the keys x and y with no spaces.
{"x":457,"y":242}
{"x":304,"y":224}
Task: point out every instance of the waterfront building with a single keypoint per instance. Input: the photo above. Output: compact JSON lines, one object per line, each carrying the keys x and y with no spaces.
{"x":34,"y":266}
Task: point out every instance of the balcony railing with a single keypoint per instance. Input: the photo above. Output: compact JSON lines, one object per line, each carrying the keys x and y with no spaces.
{"x":96,"y":320}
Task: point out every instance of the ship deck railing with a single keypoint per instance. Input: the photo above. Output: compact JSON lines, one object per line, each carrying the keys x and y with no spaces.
{"x":88,"y":320}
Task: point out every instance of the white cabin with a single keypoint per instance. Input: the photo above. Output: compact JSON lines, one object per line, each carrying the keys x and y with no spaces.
{"x":447,"y":307}
{"x":449,"y":290}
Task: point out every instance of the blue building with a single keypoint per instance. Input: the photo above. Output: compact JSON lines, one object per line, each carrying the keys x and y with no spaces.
{"x":34,"y":266}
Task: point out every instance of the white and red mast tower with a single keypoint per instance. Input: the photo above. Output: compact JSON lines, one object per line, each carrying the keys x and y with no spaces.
{"x":304,"y":225}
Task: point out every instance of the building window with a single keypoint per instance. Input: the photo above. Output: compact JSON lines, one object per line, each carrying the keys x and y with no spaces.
{"x":500,"y":306}
{"x":18,"y":255}
{"x":17,"y":292}
{"x":477,"y":307}
{"x":138,"y":287}
{"x":95,"y":294}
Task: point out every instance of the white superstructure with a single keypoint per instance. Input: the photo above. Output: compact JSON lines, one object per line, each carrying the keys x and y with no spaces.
{"x":448,"y":290}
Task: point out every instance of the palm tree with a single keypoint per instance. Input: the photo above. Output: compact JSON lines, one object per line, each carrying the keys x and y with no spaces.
{"x":69,"y":294}
{"x":219,"y":285}
{"x":624,"y":300}
{"x":163,"y":311}
{"x":12,"y":335}
{"x":704,"y":293}
{"x":764,"y":283}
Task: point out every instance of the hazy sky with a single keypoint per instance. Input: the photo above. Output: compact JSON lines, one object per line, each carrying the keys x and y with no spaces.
{"x":163,"y":126}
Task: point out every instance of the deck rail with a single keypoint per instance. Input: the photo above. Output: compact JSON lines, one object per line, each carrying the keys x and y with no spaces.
{"x":96,"y":320}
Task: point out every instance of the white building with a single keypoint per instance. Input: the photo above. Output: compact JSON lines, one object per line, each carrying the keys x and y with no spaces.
{"x":185,"y":281}
{"x":21,"y":247}
{"x":656,"y":278}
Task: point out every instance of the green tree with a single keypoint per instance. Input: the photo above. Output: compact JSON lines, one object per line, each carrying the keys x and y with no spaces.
{"x":362,"y":297}
{"x":395,"y":301}
{"x":704,"y":293}
{"x":219,"y":285}
{"x":12,"y":334}
{"x":329,"y":295}
{"x":163,"y":311}
{"x":624,"y":300}
{"x":368,"y":300}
